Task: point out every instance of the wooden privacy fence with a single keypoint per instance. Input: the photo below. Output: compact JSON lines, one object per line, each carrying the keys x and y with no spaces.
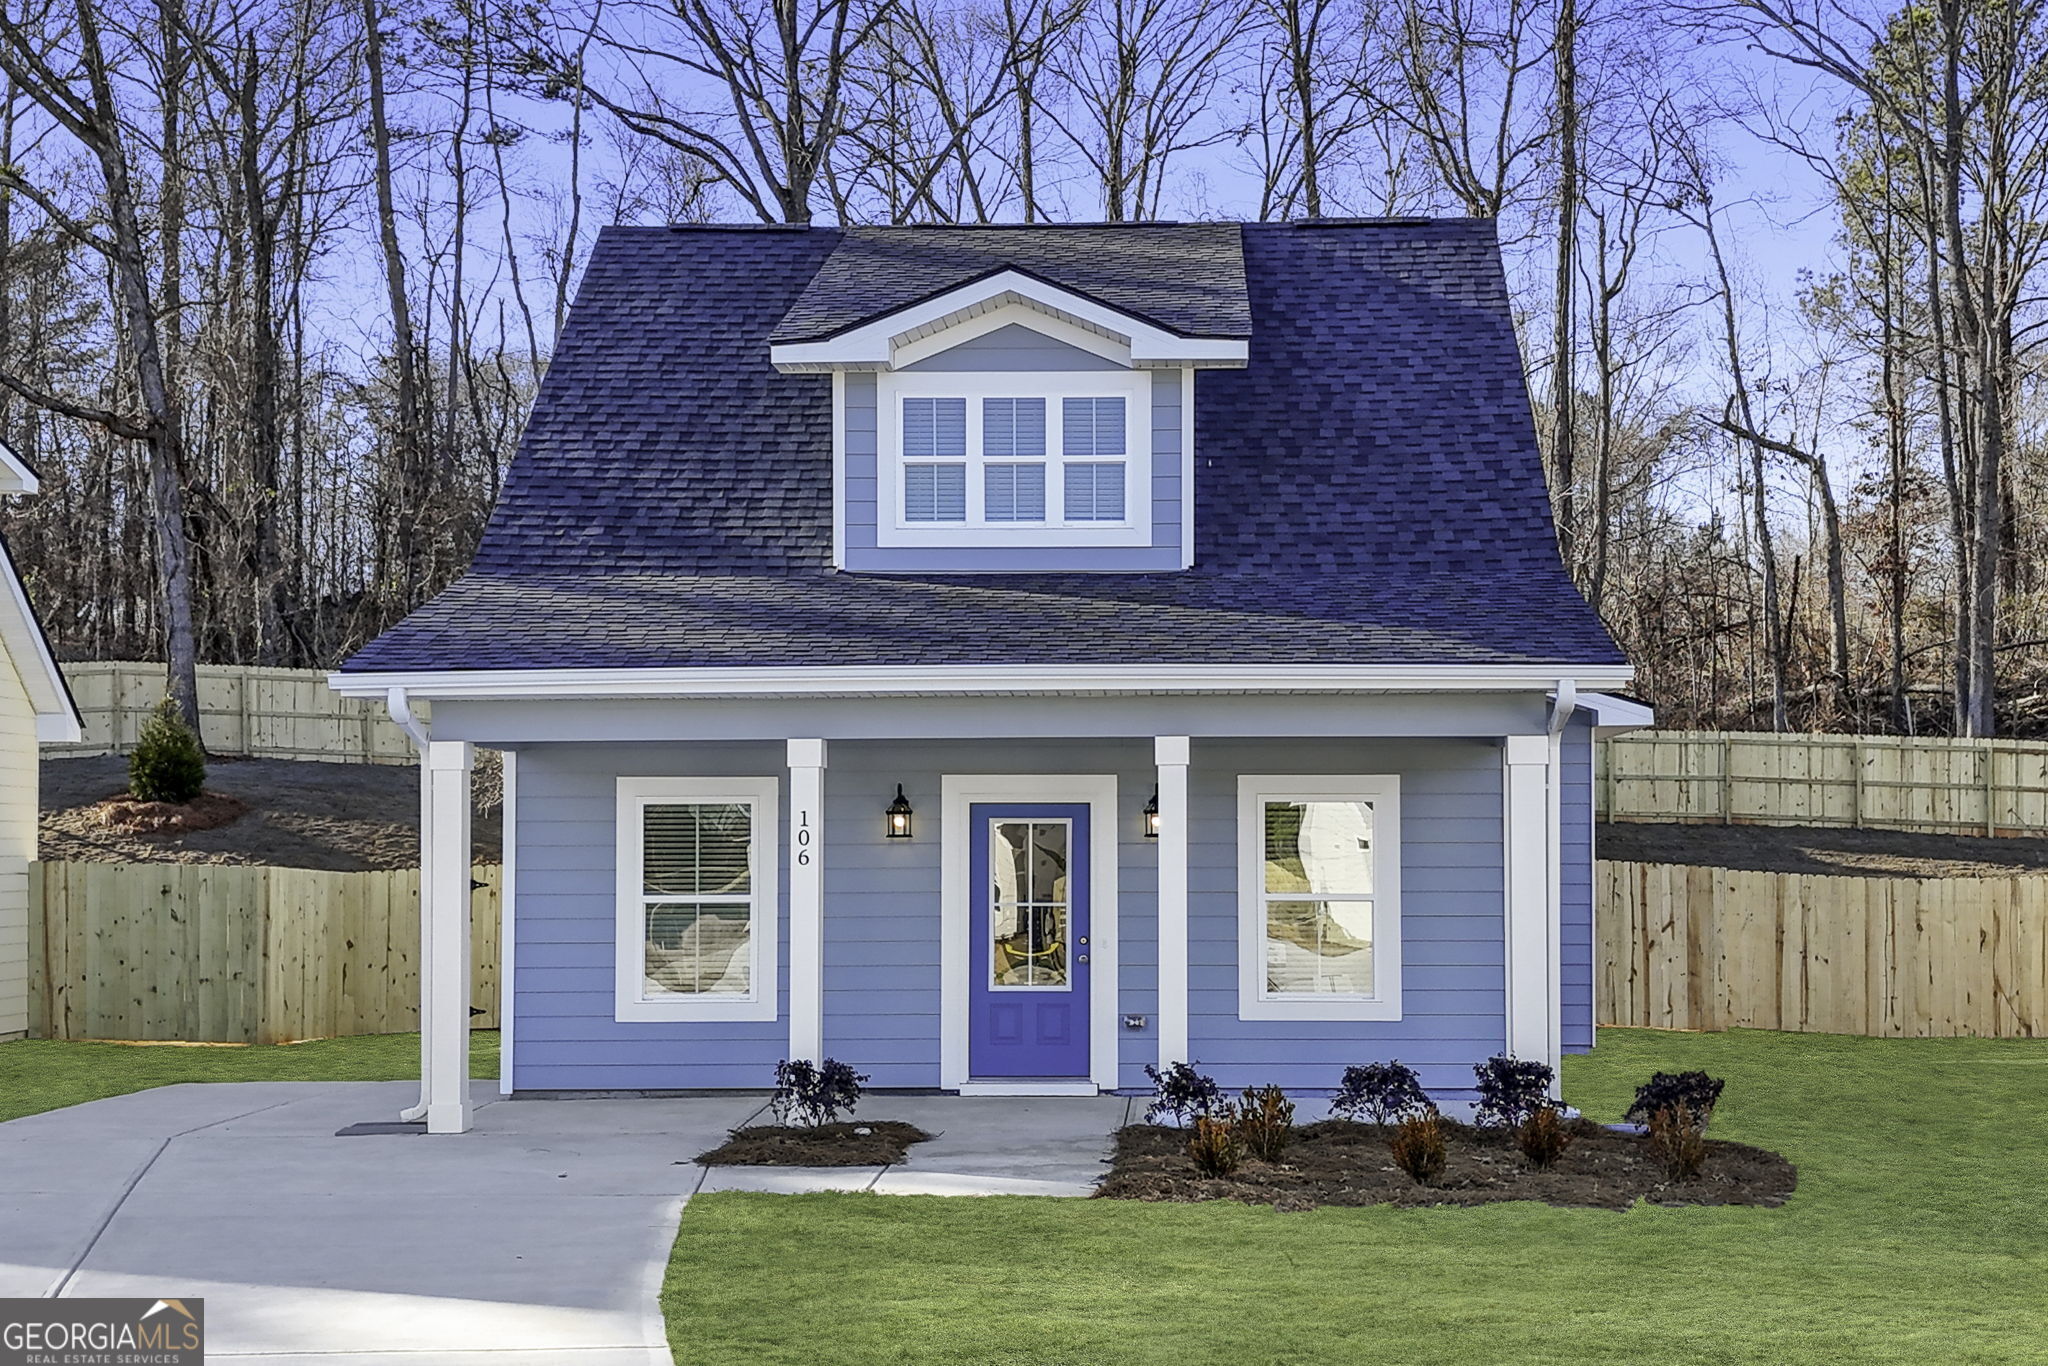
{"x":244,"y":710}
{"x":1714,"y":948}
{"x":1983,"y":787}
{"x":222,"y":953}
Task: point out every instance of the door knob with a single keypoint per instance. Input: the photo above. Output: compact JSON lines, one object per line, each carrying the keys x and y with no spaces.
{"x":1084,"y":957}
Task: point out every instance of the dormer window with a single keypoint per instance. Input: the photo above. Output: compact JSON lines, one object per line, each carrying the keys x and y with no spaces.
{"x":1012,"y":459}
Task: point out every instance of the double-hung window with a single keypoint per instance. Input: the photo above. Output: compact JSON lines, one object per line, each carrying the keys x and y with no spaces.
{"x":1319,"y":887}
{"x":696,"y":936}
{"x":1003,"y":459}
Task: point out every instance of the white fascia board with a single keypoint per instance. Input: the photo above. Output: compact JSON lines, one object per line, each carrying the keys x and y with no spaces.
{"x":1616,"y":714}
{"x":873,"y":345}
{"x":973,"y":680}
{"x":22,"y":640}
{"x":15,"y":475}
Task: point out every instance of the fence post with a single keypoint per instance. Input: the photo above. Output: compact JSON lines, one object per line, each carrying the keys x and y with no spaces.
{"x":1727,"y":779}
{"x":1856,"y":762}
{"x":1990,"y":787}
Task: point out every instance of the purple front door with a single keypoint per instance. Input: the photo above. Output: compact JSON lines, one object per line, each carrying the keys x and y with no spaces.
{"x":1028,"y":940}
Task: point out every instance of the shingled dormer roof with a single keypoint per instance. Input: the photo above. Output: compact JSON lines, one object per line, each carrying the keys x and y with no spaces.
{"x":1368,"y":489}
{"x":1185,"y":277}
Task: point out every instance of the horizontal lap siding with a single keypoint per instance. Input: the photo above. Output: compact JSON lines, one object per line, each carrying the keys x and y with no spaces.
{"x":1575,"y":884}
{"x":882,"y":896}
{"x":881,"y":913}
{"x":1454,"y":985}
{"x":566,"y":1038}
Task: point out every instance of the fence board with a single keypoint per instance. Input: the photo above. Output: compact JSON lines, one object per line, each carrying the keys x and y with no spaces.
{"x":243,"y":709}
{"x":230,"y":954}
{"x":1705,"y":948}
{"x":1881,"y":781}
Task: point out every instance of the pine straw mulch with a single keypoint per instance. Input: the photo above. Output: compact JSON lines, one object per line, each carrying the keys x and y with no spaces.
{"x":133,"y":816}
{"x":850,"y":1144}
{"x":1337,"y":1162}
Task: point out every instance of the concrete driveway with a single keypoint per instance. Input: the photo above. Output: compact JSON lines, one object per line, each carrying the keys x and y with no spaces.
{"x":538,"y":1239}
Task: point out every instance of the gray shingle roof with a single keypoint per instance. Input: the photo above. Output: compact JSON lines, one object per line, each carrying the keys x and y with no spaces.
{"x":1184,"y":277}
{"x":1368,"y":489}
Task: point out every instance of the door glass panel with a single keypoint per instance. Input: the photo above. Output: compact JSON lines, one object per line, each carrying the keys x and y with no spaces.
{"x":1028,"y":907}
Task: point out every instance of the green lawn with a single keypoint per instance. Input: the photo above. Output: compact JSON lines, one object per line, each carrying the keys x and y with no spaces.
{"x":46,"y":1074}
{"x":1919,"y":1234}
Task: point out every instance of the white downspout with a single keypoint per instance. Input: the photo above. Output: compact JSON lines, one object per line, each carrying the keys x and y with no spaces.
{"x":396,"y":703}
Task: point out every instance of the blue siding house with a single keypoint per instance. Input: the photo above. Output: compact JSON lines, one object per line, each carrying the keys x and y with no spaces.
{"x":1004,"y":658}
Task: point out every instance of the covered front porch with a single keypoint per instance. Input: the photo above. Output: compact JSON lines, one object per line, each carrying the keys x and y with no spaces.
{"x":907,"y":954}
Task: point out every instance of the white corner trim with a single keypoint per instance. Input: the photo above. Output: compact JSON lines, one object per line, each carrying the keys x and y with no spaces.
{"x":1383,"y":790}
{"x":760,"y":1003}
{"x":957,"y":793}
{"x":839,"y":469}
{"x":1529,"y":856}
{"x":1187,"y":468}
{"x":969,"y":680}
{"x":508,"y":918}
{"x":874,"y":344}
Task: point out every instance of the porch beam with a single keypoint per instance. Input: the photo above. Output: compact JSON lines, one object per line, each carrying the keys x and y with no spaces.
{"x":1170,"y":753}
{"x":807,"y":899}
{"x":1530,"y":856}
{"x":444,"y":936}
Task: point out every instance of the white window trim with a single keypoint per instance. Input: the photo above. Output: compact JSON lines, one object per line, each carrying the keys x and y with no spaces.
{"x":1135,"y":388}
{"x":1384,"y":792}
{"x":630,"y":1003}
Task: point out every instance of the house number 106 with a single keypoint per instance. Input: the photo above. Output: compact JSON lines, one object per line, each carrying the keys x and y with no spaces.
{"x":803,"y":839}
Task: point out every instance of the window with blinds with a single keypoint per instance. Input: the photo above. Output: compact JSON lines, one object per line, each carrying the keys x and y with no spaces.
{"x":698,"y":896}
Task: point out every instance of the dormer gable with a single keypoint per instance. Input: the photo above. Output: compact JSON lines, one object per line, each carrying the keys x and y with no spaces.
{"x":989,"y":417}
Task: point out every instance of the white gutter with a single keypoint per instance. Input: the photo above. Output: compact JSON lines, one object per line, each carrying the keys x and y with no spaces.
{"x":958,"y":680}
{"x":1566,"y":702}
{"x":396,"y":702}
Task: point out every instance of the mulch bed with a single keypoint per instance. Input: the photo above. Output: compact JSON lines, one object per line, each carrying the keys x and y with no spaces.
{"x":1337,"y":1162}
{"x":827,"y":1145}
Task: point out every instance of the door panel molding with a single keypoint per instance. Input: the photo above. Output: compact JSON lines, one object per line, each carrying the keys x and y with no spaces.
{"x":960,"y":792}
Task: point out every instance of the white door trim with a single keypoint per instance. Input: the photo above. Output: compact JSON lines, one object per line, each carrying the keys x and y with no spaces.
{"x":960,"y":791}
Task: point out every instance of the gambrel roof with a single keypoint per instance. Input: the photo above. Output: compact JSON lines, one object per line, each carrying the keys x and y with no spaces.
{"x":1368,"y":489}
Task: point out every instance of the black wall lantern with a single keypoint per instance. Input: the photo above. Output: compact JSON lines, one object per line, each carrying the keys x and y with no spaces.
{"x":1152,"y":816}
{"x":899,"y":816}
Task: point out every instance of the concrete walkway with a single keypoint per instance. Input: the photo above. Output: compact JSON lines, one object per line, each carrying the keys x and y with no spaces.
{"x":539,"y":1238}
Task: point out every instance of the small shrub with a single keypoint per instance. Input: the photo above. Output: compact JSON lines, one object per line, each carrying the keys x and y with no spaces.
{"x":1681,"y":1143}
{"x":1216,"y":1147}
{"x":1510,"y":1090}
{"x":1181,"y":1093}
{"x":1677,"y":1107}
{"x":1418,"y":1147}
{"x":1544,"y":1136}
{"x":168,"y":765}
{"x":1265,"y":1121}
{"x":1380,"y":1093}
{"x":811,"y":1093}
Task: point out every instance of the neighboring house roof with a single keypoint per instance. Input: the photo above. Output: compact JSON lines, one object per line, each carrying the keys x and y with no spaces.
{"x":24,"y":643}
{"x":16,"y":475}
{"x":1185,"y":277}
{"x":1368,"y":490}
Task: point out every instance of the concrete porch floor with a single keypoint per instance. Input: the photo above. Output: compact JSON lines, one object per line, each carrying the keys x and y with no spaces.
{"x":539,"y":1237}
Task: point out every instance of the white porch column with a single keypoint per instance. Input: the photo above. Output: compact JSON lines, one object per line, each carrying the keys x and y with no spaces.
{"x":1532,"y":913}
{"x":1170,"y":752}
{"x":807,"y":899}
{"x":444,"y":937}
